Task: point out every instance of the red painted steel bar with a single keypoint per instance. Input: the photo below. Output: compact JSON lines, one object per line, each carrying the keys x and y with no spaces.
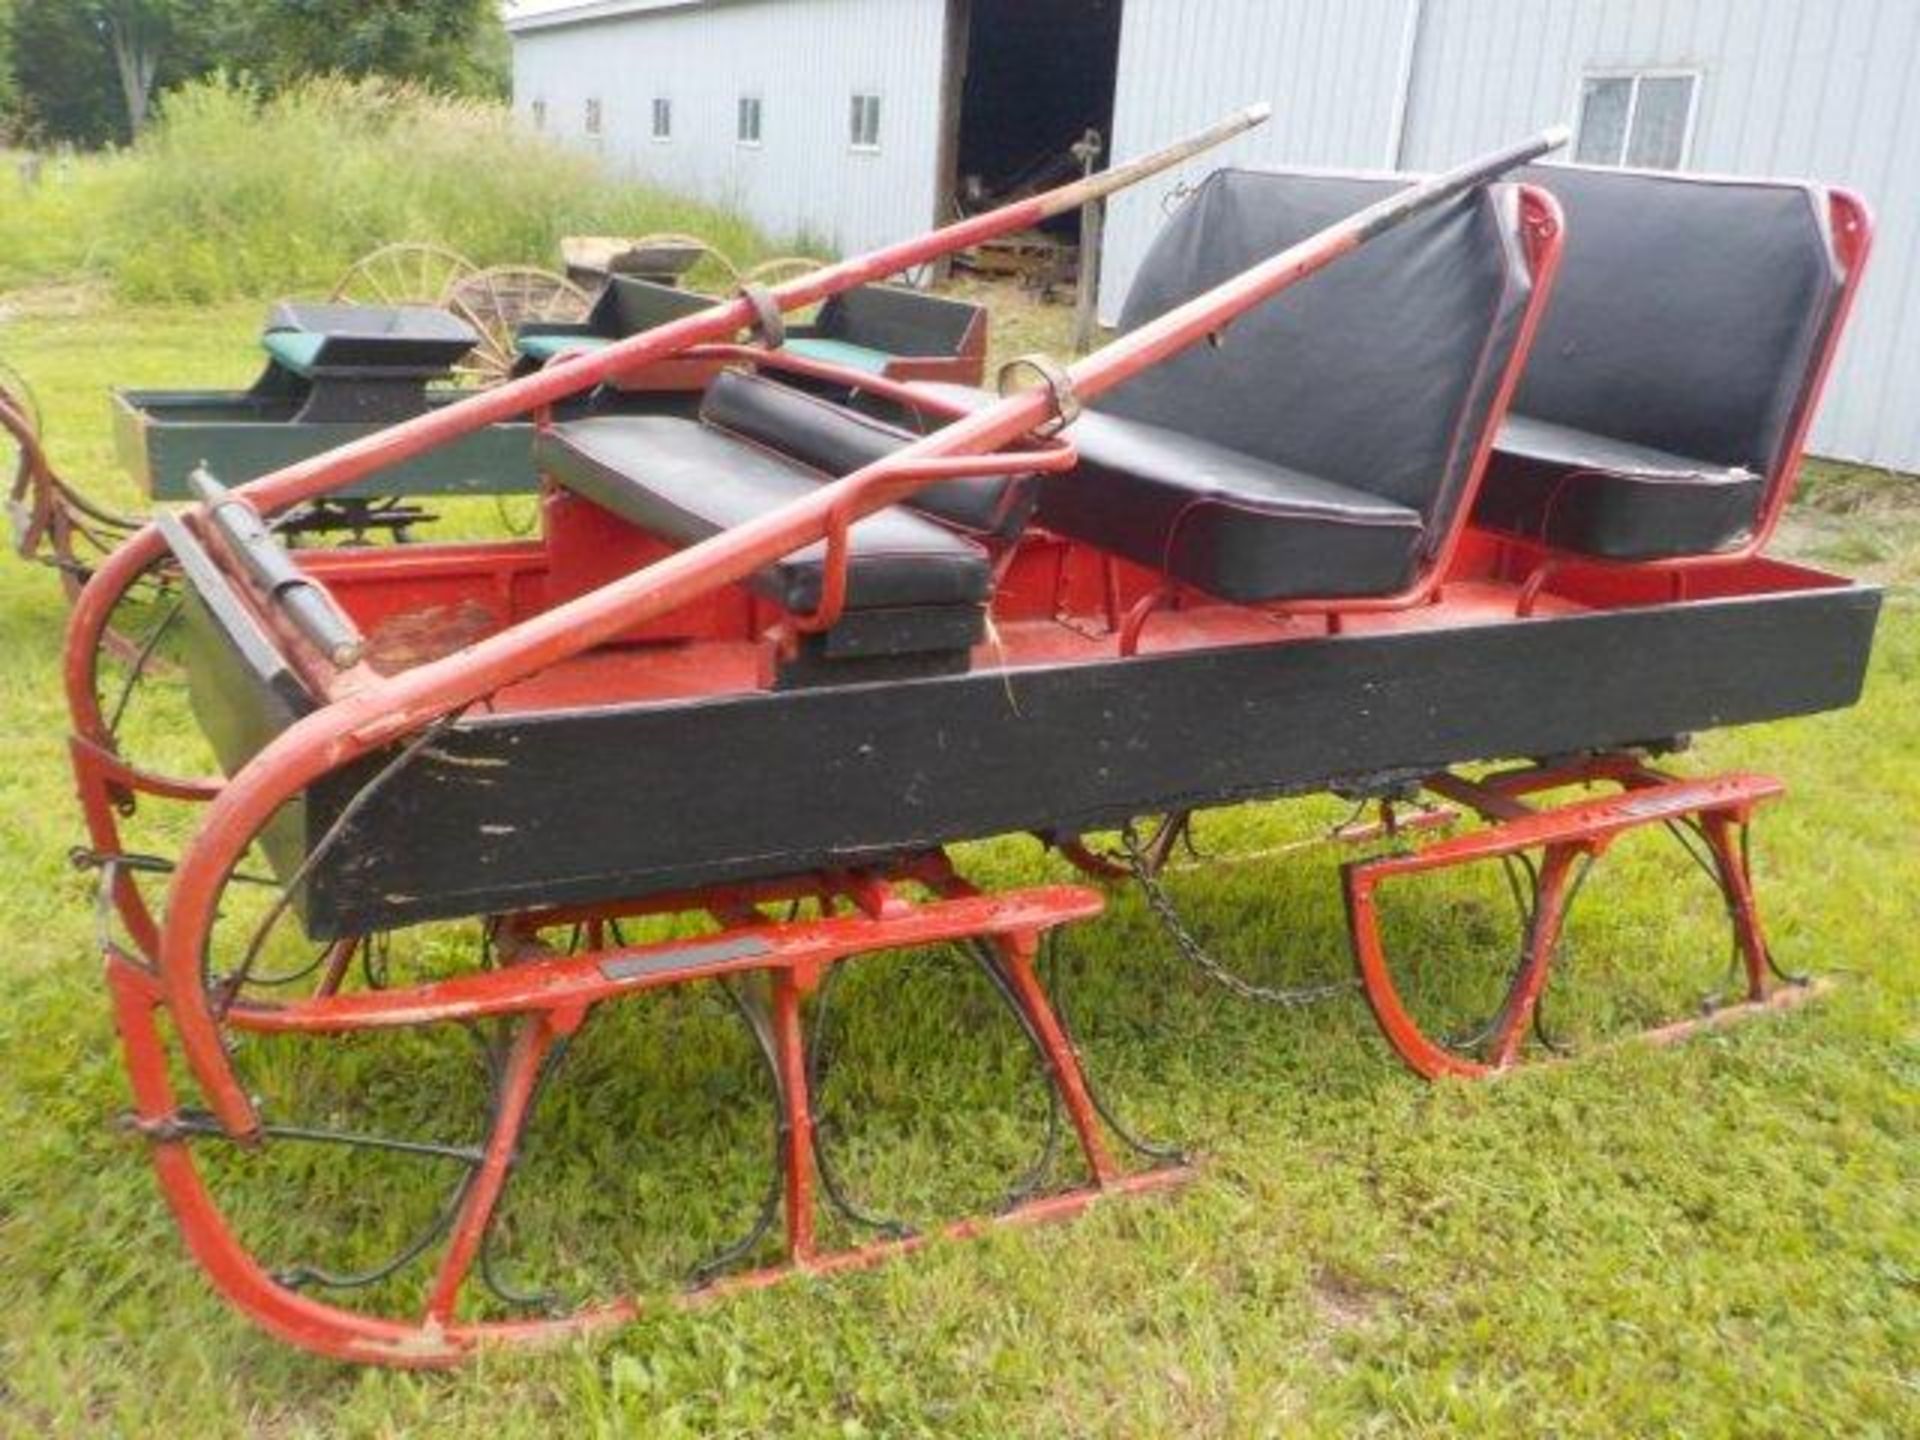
{"x":530,"y":1048}
{"x":563,"y":983}
{"x":440,"y":1337}
{"x":1565,"y":834}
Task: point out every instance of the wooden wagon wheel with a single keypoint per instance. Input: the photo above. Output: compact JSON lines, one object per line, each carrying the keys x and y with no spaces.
{"x":711,"y":253}
{"x":784,"y":267}
{"x":496,"y":301}
{"x":408,"y":272}
{"x":676,"y":256}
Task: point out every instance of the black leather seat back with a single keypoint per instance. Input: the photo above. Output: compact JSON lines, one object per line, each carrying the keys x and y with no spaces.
{"x":1380,"y":373}
{"x":1689,"y":315}
{"x":629,"y":306}
{"x":898,"y":320}
{"x":403,"y":339}
{"x":838,"y":441}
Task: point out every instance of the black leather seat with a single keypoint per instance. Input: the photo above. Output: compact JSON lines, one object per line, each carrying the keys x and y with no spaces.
{"x":686,"y":481}
{"x":356,"y":364}
{"x":1612,"y":498}
{"x":314,"y":339}
{"x":838,"y":441}
{"x":627,"y":306}
{"x":1662,"y":402}
{"x":899,"y":332}
{"x":1323,"y":448}
{"x":1237,"y":526}
{"x":1192,"y":508}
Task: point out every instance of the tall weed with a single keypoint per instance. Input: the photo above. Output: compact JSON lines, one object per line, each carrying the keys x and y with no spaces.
{"x":230,"y":194}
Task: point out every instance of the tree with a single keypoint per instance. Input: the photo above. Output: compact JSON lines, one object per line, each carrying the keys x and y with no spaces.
{"x":89,"y":71}
{"x":446,"y":44}
{"x":137,"y":33}
{"x":9,"y":91}
{"x":64,"y":75}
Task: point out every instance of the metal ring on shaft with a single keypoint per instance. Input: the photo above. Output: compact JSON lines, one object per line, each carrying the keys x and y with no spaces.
{"x":1059,"y":382}
{"x":769,"y":325}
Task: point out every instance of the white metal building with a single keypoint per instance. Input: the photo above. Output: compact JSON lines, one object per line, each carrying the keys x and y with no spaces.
{"x":853,"y":121}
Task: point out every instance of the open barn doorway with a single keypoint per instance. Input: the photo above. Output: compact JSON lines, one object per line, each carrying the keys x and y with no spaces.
{"x":1027,"y":80}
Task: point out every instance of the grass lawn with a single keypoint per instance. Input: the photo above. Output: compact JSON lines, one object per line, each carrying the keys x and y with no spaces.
{"x":1719,"y":1239}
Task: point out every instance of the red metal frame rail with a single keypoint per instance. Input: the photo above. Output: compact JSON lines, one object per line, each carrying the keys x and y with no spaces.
{"x":1567,"y":835}
{"x":550,"y":998}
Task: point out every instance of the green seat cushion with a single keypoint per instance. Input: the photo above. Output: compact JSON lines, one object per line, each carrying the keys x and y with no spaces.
{"x":545,"y":347}
{"x":295,"y":349}
{"x":840,"y":352}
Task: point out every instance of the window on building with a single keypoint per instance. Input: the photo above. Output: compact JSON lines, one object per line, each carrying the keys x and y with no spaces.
{"x":593,"y":116}
{"x":1640,"y":118}
{"x":866,"y":122}
{"x":539,"y":112}
{"x":747,"y":129}
{"x":663,"y":119}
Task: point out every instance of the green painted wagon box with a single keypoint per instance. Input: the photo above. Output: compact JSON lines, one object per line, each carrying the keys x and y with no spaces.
{"x":161,"y":436}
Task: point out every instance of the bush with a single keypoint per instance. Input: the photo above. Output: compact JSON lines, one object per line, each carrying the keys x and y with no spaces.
{"x":52,"y":228}
{"x":232,"y":195}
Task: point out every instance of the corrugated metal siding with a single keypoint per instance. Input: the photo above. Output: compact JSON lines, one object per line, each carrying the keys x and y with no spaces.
{"x":1329,"y":68}
{"x":1817,"y":89}
{"x":804,"y":61}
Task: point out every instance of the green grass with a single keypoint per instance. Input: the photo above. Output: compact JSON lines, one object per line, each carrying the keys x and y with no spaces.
{"x":228,"y":195}
{"x":1722,"y":1239}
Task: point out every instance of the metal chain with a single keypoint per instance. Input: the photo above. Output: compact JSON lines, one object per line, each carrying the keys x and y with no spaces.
{"x":1055,"y":965}
{"x":1197,"y":954}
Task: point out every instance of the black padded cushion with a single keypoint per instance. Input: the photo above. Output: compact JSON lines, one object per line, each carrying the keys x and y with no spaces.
{"x":400,"y":340}
{"x":1688,"y":321}
{"x":1192,"y":509}
{"x":630,"y":305}
{"x":897,"y":319}
{"x":626,"y":306}
{"x":1323,"y":448}
{"x":1379,"y":373}
{"x":832,"y":438}
{"x":1598,"y":496}
{"x":686,"y":482}
{"x":1236,"y":525}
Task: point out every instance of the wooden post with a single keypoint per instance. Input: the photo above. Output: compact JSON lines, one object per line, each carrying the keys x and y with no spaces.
{"x":1093,"y":215}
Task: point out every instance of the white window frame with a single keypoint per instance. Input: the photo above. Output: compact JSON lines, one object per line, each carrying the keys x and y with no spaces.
{"x":878,"y":112}
{"x":594,"y":122}
{"x":759,"y":105}
{"x":662,"y":107}
{"x":1635,"y":74}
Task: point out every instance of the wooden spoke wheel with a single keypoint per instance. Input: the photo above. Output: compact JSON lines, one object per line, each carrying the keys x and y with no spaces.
{"x":785,"y":267}
{"x":406,"y":273}
{"x":497,"y":301}
{"x":668,"y":257}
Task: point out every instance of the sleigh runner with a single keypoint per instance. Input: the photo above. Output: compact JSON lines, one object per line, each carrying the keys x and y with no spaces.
{"x":763,"y":664}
